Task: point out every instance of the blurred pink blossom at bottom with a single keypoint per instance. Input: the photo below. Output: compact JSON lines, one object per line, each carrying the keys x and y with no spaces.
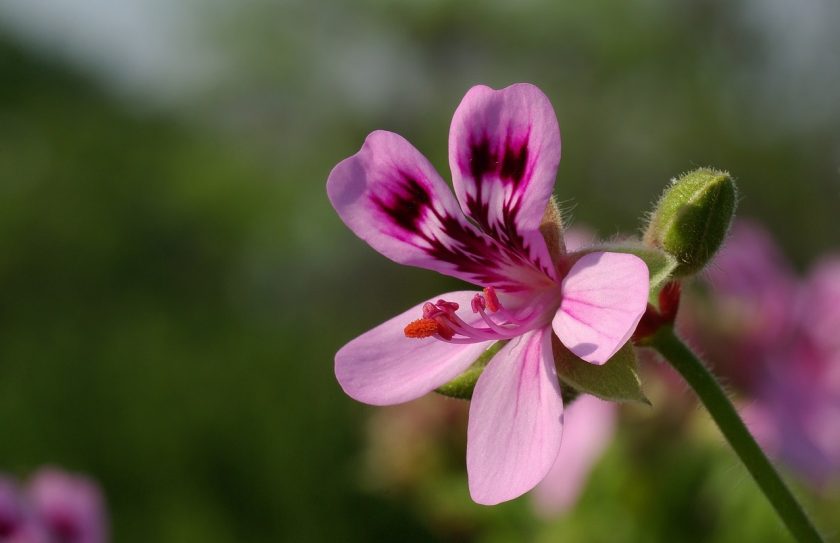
{"x":53,"y":507}
{"x":589,"y":424}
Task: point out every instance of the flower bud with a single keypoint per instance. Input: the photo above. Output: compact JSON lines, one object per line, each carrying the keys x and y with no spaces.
{"x":692,"y":218}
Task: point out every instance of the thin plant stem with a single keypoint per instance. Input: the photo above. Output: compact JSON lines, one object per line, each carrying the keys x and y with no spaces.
{"x":713,"y":397}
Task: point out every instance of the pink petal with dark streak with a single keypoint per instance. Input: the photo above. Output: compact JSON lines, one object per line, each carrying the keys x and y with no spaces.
{"x":390,"y":196}
{"x":504,"y":149}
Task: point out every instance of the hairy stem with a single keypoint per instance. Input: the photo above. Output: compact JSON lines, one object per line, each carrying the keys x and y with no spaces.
{"x":713,"y":397}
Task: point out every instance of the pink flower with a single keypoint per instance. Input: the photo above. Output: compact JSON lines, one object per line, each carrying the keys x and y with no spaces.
{"x":69,"y":507}
{"x":11,"y":509}
{"x":751,"y":310}
{"x":55,"y":507}
{"x":776,"y":339}
{"x":504,"y":149}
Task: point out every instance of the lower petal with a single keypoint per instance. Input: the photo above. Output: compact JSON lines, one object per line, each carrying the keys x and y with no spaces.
{"x":604,"y":297}
{"x":516,"y":420}
{"x":383,"y":367}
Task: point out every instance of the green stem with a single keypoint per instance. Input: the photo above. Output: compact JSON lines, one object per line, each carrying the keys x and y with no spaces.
{"x":726,"y":417}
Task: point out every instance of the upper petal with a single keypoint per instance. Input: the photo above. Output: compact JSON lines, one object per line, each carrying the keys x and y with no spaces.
{"x":383,"y":367}
{"x":604,"y":297}
{"x":516,"y":419}
{"x":589,"y":425}
{"x":504,"y":149}
{"x":389,"y":195}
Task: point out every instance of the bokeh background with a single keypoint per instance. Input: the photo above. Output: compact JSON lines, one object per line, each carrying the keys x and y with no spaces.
{"x":175,"y":283}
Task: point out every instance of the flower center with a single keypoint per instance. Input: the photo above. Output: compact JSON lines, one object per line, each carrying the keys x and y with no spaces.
{"x":440,"y":321}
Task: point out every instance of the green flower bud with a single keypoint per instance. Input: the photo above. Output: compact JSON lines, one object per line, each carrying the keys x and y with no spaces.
{"x":692,"y":218}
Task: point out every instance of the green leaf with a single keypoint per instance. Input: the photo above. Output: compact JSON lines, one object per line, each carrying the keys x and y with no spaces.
{"x":462,"y":386}
{"x":661,"y":265}
{"x":617,"y":380}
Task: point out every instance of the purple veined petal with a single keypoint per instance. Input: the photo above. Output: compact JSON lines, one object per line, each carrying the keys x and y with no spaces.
{"x":516,"y":420}
{"x":588,"y":429}
{"x":383,"y":367}
{"x":604,"y":297}
{"x":390,"y":196}
{"x":504,"y":149}
{"x":69,"y":507}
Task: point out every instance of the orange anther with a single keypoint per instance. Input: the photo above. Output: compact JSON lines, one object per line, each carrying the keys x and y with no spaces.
{"x":421,"y":328}
{"x":492,"y":300}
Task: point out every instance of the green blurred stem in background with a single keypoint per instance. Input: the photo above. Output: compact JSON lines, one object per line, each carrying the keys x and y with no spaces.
{"x":735,"y":431}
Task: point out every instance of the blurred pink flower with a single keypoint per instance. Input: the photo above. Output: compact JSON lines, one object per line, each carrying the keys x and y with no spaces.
{"x":589,"y":424}
{"x":504,"y":149}
{"x":777,"y":338}
{"x":55,"y":507}
{"x":69,"y":506}
{"x":11,"y":509}
{"x":753,"y":290}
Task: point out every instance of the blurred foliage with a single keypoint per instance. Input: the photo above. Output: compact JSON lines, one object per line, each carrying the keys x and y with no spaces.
{"x":175,"y":283}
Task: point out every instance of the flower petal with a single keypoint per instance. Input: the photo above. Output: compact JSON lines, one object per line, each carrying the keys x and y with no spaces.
{"x":604,"y":296}
{"x":516,"y":420}
{"x":390,"y":196}
{"x":383,"y":367}
{"x":504,"y":149}
{"x":589,"y":426}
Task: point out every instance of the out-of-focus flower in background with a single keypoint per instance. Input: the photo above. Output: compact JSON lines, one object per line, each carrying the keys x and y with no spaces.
{"x":54,"y":506}
{"x":11,"y":509}
{"x":588,"y":427}
{"x":773,"y":336}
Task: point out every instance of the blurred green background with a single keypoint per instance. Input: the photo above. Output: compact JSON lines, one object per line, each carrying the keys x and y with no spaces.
{"x":175,"y":283}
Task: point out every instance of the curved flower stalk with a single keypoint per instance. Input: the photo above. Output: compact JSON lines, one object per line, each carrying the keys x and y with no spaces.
{"x":504,"y":149}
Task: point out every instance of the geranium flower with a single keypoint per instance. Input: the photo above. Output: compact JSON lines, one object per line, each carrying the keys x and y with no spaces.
{"x":504,"y":149}
{"x":54,"y":507}
{"x":70,"y":507}
{"x":11,"y":510}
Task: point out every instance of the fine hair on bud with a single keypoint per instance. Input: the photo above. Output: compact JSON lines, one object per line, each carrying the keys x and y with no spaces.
{"x":692,"y":217}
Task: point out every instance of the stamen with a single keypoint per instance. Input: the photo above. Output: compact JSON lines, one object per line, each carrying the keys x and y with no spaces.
{"x":477,"y":303}
{"x":493,"y":303}
{"x":430,"y":310}
{"x":441,"y":321}
{"x":448,"y":307}
{"x":422,"y":328}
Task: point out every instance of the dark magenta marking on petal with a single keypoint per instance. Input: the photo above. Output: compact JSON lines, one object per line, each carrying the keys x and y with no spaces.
{"x":514,"y":161}
{"x":499,"y":165}
{"x":406,"y":205}
{"x":482,"y":159}
{"x":409,"y":205}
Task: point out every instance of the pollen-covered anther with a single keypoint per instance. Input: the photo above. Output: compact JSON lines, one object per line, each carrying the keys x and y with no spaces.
{"x":422,"y":328}
{"x":492,"y":300}
{"x":478,"y":303}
